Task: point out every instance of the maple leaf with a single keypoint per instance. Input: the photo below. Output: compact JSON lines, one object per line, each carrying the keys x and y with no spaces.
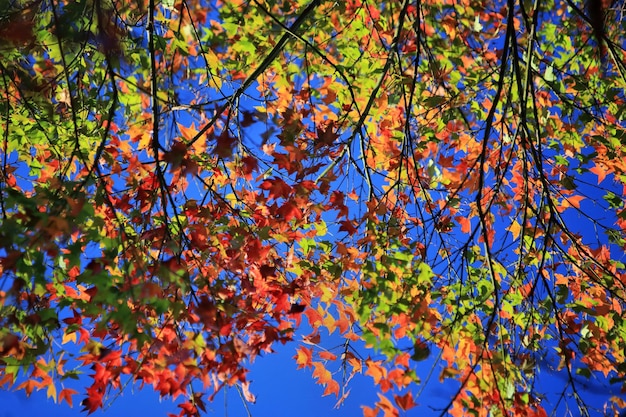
{"x":304,"y":357}
{"x":224,"y":145}
{"x":337,"y":202}
{"x":176,"y":154}
{"x":375,"y":370}
{"x":327,"y":355}
{"x":332,"y":387}
{"x":93,"y":401}
{"x":249,"y":165}
{"x":245,"y":387}
{"x":289,"y":211}
{"x":466,"y":225}
{"x":19,"y":28}
{"x":600,"y":171}
{"x":314,"y":317}
{"x":66,"y":395}
{"x":277,"y":188}
{"x":326,"y":136}
{"x":370,"y":412}
{"x":248,"y":118}
{"x":29,"y":386}
{"x":347,"y":226}
{"x":405,"y":402}
{"x":387,"y":407}
{"x":320,"y":373}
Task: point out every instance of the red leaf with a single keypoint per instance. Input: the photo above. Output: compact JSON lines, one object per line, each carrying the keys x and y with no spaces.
{"x":290,"y":211}
{"x":325,"y":136}
{"x":347,"y":226}
{"x":305,"y":187}
{"x":93,"y":401}
{"x":249,"y":165}
{"x":255,"y":250}
{"x":337,"y":199}
{"x":466,"y":225}
{"x":66,"y":394}
{"x":224,"y":145}
{"x":277,"y":188}
{"x":405,"y":402}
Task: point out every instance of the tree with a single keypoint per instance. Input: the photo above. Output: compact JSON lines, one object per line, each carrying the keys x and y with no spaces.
{"x":184,"y":183}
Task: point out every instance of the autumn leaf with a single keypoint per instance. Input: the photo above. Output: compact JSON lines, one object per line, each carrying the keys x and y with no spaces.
{"x":324,"y":377}
{"x":389,"y":410}
{"x":304,"y":357}
{"x":326,"y":355}
{"x":66,"y":395}
{"x":369,"y":412}
{"x":599,"y":171}
{"x":347,"y":226}
{"x":51,"y":392}
{"x":405,"y":402}
{"x":515,"y":228}
{"x":290,"y":211}
{"x":332,"y":388}
{"x":277,"y":188}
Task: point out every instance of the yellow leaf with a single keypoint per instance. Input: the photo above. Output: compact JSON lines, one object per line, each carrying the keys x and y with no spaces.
{"x":52,"y":392}
{"x":515,"y":228}
{"x":69,"y":337}
{"x":303,"y":357}
{"x":145,"y":141}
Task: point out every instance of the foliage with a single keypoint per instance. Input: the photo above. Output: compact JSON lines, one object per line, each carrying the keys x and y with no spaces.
{"x":184,"y":183}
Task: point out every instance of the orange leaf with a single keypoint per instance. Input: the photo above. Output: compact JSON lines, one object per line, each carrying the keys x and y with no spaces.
{"x":314,"y":317}
{"x":599,"y":171}
{"x":466,"y":225}
{"x":29,"y":386}
{"x":405,"y":401}
{"x":570,"y":201}
{"x":574,"y":200}
{"x":375,"y":370}
{"x":322,"y":374}
{"x":369,"y":412}
{"x":52,"y":392}
{"x":188,"y":133}
{"x":303,"y":357}
{"x":66,"y":394}
{"x":328,"y":355}
{"x":515,"y":228}
{"x":388,"y":408}
{"x":332,"y":388}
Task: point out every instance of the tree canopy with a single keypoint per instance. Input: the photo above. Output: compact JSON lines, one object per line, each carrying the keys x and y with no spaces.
{"x":187,"y":183}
